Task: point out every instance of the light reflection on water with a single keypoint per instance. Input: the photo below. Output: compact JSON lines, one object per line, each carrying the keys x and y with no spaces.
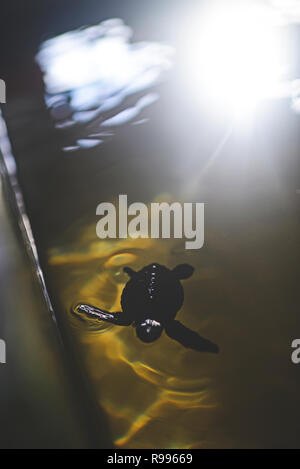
{"x":144,"y":388}
{"x":161,"y":395}
{"x":91,"y":73}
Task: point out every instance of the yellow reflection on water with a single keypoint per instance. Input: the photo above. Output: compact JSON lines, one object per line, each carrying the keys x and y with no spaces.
{"x":156,"y":395}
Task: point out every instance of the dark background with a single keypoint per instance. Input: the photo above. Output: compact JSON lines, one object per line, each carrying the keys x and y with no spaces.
{"x":253,"y":229}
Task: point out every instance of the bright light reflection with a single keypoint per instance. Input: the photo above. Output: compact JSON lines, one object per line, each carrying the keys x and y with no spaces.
{"x":236,"y":56}
{"x":90,"y":72}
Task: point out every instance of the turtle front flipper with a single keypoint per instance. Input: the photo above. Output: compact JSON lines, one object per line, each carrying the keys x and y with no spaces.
{"x":190,"y":339}
{"x":119,"y":319}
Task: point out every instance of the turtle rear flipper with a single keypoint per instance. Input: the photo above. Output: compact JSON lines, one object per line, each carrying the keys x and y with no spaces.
{"x":129,"y":271}
{"x":190,"y":339}
{"x":183,"y":271}
{"x":119,"y":319}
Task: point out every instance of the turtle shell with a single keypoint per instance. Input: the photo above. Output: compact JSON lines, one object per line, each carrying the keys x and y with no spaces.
{"x":154,"y":293}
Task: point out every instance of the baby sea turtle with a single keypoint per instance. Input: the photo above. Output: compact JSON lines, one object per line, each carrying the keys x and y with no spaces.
{"x":150,"y":301}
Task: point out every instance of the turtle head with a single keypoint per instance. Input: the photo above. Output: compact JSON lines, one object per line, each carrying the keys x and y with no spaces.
{"x":149,"y":330}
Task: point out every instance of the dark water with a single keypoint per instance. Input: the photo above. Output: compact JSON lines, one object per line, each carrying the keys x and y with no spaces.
{"x":243,"y":294}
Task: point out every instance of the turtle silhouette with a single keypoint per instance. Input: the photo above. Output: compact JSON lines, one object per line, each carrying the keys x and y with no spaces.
{"x":150,"y":301}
